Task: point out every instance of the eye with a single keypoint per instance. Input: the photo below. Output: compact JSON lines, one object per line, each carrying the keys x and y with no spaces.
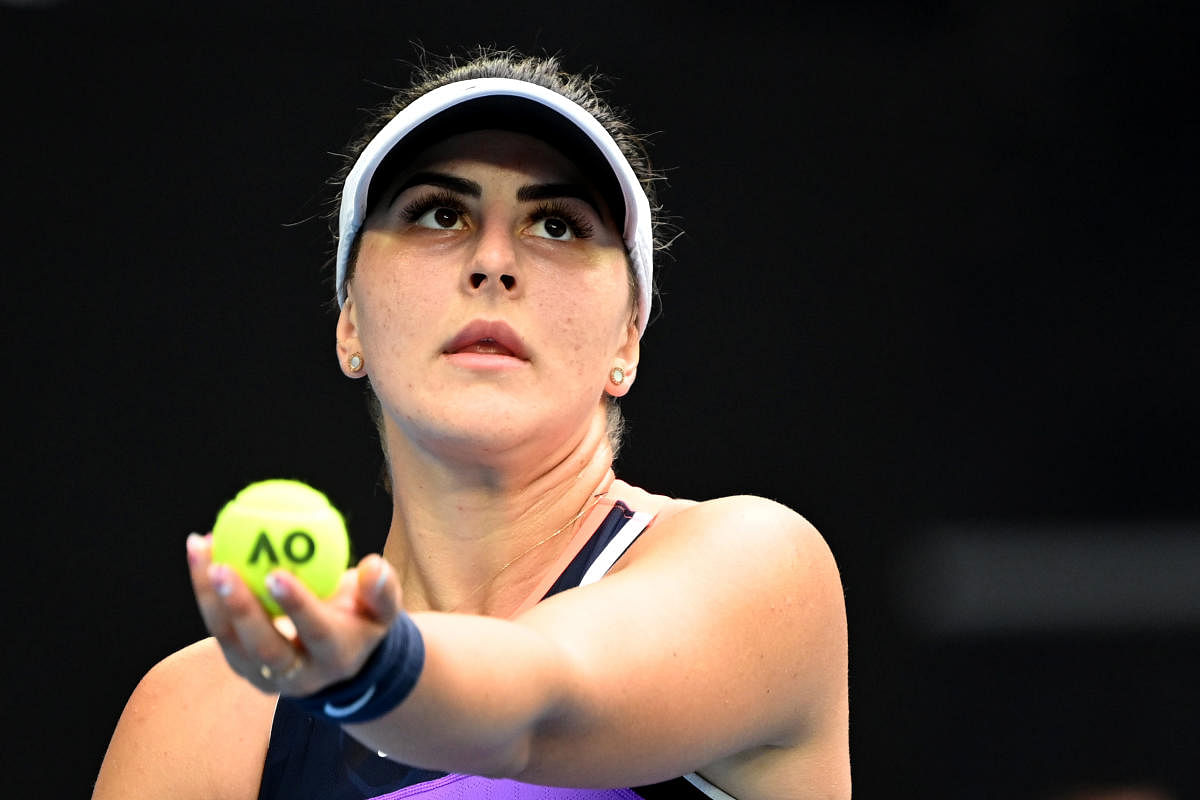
{"x":557,"y":220}
{"x":553,"y":228}
{"x":439,"y":211}
{"x":441,"y":218}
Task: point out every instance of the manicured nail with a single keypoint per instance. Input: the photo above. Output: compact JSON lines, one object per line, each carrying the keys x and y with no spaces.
{"x":381,"y":581}
{"x":221,"y":577}
{"x":195,"y":547}
{"x":276,"y":586}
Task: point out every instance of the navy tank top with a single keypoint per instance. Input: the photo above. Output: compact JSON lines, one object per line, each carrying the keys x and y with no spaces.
{"x":312,"y":759}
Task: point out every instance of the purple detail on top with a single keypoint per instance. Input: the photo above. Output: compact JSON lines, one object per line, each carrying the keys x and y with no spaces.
{"x":471,"y":787}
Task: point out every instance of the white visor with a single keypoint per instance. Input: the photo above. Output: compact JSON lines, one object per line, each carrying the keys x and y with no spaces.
{"x":523,"y":100}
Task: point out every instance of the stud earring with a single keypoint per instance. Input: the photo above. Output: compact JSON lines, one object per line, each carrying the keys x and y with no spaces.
{"x":617,"y":375}
{"x":355,"y":362}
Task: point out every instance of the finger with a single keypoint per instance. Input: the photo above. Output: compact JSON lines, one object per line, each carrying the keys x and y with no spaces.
{"x":335,"y":639}
{"x":309,"y":617}
{"x":215,"y":581}
{"x":210,"y":598}
{"x":378,"y":590}
{"x":261,"y":653}
{"x":212,"y":611}
{"x":347,"y":589}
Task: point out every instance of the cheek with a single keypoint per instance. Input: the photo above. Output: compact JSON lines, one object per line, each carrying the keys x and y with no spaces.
{"x":391,"y":271}
{"x":397,"y":284}
{"x":586,"y":316}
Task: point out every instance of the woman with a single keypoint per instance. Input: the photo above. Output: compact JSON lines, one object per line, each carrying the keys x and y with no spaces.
{"x":533,"y":621}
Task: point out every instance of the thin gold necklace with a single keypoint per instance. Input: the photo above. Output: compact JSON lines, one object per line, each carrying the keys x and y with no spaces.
{"x":596,"y":498}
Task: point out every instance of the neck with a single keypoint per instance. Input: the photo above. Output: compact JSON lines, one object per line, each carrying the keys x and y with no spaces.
{"x":478,"y":538}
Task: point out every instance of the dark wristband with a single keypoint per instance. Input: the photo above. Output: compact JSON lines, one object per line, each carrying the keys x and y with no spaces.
{"x":387,"y":677}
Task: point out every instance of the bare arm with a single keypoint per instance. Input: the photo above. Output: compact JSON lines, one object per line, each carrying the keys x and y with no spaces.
{"x":722,"y":633}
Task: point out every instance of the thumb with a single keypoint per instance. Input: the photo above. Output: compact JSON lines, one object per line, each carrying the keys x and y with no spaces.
{"x":379,"y":592}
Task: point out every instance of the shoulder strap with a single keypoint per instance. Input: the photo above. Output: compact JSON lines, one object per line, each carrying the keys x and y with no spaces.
{"x":624,"y":538}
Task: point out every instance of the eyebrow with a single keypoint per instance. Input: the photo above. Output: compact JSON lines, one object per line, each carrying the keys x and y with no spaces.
{"x":551,"y":191}
{"x":440,"y":179}
{"x":536,"y":191}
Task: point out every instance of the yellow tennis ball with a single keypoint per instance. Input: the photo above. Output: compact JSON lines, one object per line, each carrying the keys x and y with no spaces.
{"x":282,"y":524}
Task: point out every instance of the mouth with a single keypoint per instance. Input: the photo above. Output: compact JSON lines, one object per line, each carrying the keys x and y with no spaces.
{"x":487,"y":338}
{"x":486,"y":347}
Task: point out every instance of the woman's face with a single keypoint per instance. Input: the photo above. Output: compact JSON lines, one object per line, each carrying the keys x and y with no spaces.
{"x":490,"y":298}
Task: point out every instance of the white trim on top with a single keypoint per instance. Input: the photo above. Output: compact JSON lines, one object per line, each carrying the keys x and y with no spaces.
{"x":617,"y":547}
{"x":712,"y":791}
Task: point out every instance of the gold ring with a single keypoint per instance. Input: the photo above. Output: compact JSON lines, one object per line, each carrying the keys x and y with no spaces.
{"x":296,"y":665}
{"x":289,"y":673}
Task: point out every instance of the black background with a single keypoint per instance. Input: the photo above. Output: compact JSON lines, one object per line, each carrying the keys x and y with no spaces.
{"x":938,"y":267}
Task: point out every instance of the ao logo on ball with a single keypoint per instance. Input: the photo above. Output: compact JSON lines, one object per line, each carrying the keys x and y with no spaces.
{"x":282,"y":524}
{"x":298,"y":548}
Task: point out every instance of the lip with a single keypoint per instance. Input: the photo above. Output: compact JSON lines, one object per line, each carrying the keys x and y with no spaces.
{"x":490,"y":331}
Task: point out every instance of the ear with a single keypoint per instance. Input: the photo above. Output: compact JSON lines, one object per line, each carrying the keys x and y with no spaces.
{"x":626,"y":358}
{"x":347,"y":339}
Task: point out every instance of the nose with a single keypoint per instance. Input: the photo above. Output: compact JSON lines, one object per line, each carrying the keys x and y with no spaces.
{"x":493,"y":265}
{"x":479,"y":279}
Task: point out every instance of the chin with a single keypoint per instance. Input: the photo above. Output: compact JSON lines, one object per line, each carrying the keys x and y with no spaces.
{"x":487,"y":427}
{"x":487,"y":437}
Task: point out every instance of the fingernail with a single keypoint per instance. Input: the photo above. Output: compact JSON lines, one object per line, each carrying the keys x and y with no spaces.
{"x":276,"y":586}
{"x":195,"y":547}
{"x":382,"y":579}
{"x":221,"y":577}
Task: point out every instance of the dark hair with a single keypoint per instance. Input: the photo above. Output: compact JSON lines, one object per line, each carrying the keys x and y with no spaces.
{"x":544,"y":71}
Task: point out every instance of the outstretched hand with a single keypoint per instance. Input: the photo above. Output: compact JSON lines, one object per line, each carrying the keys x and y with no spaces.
{"x":319,"y":642}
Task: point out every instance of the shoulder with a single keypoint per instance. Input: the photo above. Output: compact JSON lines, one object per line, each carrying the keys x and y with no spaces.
{"x":749,"y":513}
{"x":191,"y":728}
{"x":199,"y":667}
{"x":743,"y":532}
{"x":769,"y":571}
{"x":764,"y":551}
{"x":777,"y":579}
{"x":745,"y":520}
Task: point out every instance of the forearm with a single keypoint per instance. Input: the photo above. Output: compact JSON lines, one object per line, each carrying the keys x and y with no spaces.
{"x":482,"y":687}
{"x":486,"y":687}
